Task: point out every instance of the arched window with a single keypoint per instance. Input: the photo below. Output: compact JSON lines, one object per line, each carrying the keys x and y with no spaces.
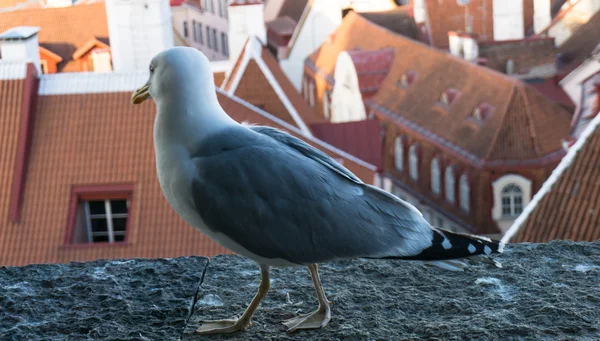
{"x":399,"y":154}
{"x":413,"y":162}
{"x":465,"y":193}
{"x":450,"y":185}
{"x":435,"y":175}
{"x":512,"y":200}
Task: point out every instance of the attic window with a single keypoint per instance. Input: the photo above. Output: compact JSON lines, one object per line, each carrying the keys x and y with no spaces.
{"x":407,"y":79}
{"x":482,"y":112}
{"x":449,"y":96}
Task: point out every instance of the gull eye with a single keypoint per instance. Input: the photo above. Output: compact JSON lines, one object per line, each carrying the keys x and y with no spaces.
{"x":151,"y":68}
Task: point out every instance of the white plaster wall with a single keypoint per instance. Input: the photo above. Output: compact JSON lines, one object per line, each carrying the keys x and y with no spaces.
{"x":22,"y":50}
{"x":138,"y":29}
{"x":346,"y":99}
{"x":245,"y":21}
{"x":571,"y":84}
{"x":419,"y":11}
{"x":456,"y":45}
{"x":212,"y":20}
{"x":272,"y":8}
{"x":504,"y":223}
{"x":367,"y":5}
{"x":323,"y":18}
{"x":508,"y":20}
{"x":542,"y":15}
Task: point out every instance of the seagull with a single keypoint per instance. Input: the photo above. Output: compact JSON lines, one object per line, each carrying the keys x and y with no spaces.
{"x":271,"y":197}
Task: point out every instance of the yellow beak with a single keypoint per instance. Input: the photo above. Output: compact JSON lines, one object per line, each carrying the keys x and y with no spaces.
{"x":140,"y":94}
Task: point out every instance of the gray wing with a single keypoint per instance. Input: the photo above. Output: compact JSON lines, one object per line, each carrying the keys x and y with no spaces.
{"x":281,"y":198}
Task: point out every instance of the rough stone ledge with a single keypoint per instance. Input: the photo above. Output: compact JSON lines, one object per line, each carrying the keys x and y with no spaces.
{"x":543,"y":292}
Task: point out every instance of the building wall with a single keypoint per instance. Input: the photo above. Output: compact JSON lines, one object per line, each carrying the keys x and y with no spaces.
{"x":527,"y":56}
{"x":272,"y":8}
{"x":508,"y":19}
{"x":138,"y":31}
{"x":193,"y":17}
{"x":347,"y":101}
{"x":485,"y":185}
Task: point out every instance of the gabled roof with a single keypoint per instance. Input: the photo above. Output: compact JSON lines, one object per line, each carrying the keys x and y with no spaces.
{"x":568,"y":204}
{"x":520,"y":127}
{"x":90,"y":44}
{"x":257,"y":78}
{"x":62,"y":30}
{"x":51,"y":54}
{"x":88,"y":149}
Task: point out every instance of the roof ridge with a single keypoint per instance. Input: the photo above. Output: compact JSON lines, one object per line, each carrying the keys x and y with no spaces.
{"x":557,"y":173}
{"x":497,"y":133}
{"x":521,"y":88}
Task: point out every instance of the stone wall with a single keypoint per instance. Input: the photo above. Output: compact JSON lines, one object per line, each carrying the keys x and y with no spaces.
{"x":542,"y":292}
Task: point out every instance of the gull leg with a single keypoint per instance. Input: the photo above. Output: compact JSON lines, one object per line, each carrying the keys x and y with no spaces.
{"x":244,"y":322}
{"x":318,"y":318}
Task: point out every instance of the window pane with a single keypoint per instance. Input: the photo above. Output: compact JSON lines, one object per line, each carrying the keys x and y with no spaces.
{"x":119,"y":224}
{"x":100,"y":239}
{"x":99,"y":225}
{"x":97,"y":207}
{"x":119,"y":238}
{"x":118,"y":206}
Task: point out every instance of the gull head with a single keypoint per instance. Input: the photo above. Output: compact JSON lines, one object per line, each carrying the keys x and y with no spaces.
{"x":177,"y":73}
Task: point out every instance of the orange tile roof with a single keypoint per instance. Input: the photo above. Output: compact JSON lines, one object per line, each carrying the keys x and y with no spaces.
{"x":256,"y":77}
{"x":372,"y":68}
{"x":62,"y":30}
{"x":522,"y":125}
{"x":87,"y":149}
{"x":568,"y":204}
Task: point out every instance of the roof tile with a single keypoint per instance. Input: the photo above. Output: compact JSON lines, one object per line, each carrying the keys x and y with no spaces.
{"x":62,"y":30}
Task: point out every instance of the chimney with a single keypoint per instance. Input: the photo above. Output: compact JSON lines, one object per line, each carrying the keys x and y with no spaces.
{"x":542,"y":14}
{"x":246,"y":18}
{"x":138,"y":30}
{"x":470,"y":47}
{"x":456,"y":43}
{"x":21,"y":44}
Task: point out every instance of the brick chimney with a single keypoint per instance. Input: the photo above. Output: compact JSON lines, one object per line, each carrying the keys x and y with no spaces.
{"x":20,"y":44}
{"x":246,"y":18}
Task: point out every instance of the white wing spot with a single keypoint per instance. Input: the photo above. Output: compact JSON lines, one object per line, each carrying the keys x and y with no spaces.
{"x":487,"y":250}
{"x":446,"y":244}
{"x":472,"y":248}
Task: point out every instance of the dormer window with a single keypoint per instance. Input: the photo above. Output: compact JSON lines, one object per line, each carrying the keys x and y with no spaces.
{"x":407,"y":78}
{"x":449,"y":96}
{"x":482,"y":112}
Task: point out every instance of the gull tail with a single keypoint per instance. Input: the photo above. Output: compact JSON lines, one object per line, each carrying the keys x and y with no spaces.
{"x":448,"y":245}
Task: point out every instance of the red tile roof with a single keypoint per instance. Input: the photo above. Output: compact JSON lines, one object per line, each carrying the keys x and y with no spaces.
{"x":568,"y":204}
{"x":372,"y":68}
{"x":359,"y":138}
{"x":523,"y":125}
{"x":553,"y":91}
{"x":87,"y":149}
{"x":62,"y":30}
{"x":257,"y":78}
{"x":399,"y":20}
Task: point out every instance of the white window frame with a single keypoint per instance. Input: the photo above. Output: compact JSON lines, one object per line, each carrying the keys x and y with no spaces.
{"x":109,"y":216}
{"x":450,"y":184}
{"x":524,"y":183}
{"x":399,"y":154}
{"x":465,"y":193}
{"x":512,"y":198}
{"x":435,"y":176}
{"x":413,"y":158}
